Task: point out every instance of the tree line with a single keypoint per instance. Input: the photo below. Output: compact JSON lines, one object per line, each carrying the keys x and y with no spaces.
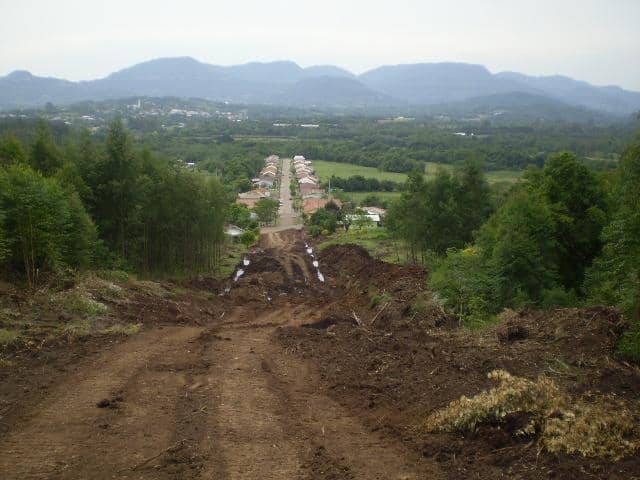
{"x":564,"y":236}
{"x":109,"y":203}
{"x":358,"y":183}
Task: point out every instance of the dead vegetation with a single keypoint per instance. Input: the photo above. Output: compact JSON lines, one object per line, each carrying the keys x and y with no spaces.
{"x":602,"y":427}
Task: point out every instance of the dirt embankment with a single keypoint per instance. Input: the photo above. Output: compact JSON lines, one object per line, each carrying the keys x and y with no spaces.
{"x":398,"y":361}
{"x":279,"y":375}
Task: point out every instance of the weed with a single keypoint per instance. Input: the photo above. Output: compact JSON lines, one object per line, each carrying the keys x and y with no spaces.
{"x":76,"y":330}
{"x":8,"y":337}
{"x":180,"y":290}
{"x":629,"y":345}
{"x":4,"y":363}
{"x":113,"y":275}
{"x":378,"y":299}
{"x":79,"y":303}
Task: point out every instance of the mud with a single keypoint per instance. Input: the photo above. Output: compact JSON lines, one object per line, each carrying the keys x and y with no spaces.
{"x":282,"y":376}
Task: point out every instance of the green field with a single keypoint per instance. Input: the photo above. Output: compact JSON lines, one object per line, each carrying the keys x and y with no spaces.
{"x":496,"y":176}
{"x":325,"y":169}
{"x":493,"y":176}
{"x":388,"y":196}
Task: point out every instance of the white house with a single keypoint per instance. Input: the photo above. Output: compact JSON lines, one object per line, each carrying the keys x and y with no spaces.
{"x":307,"y":180}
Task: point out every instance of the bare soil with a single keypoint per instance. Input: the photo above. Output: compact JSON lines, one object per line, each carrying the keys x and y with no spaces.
{"x":278,"y":376}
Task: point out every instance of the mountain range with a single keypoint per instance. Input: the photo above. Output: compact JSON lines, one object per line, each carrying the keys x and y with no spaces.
{"x":422,"y":85}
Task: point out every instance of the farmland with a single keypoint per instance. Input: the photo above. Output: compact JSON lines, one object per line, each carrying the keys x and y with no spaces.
{"x":325,"y":169}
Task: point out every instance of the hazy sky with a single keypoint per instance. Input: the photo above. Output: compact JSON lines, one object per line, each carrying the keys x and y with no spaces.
{"x":593,"y":40}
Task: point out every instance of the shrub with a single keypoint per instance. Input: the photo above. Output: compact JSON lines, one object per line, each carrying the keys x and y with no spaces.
{"x":324,"y":219}
{"x":467,"y":285}
{"x":113,"y":275}
{"x":315,"y":230}
{"x":248,"y":238}
{"x":8,"y":337}
{"x":630,"y":343}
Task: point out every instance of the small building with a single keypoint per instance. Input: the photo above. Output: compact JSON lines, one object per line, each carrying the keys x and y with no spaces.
{"x":299,"y":157}
{"x":252,"y":197}
{"x":311,"y":205}
{"x":375,"y":211}
{"x":307,"y":180}
{"x":309,"y":189}
{"x":373,"y":218}
{"x":266,"y":181}
{"x":272,"y":170}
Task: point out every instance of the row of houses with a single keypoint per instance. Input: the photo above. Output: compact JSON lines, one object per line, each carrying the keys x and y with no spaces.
{"x":269,"y":172}
{"x":313,"y":196}
{"x":263,"y":183}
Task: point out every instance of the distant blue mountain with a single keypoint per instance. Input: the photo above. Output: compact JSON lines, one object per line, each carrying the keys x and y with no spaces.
{"x":286,"y":83}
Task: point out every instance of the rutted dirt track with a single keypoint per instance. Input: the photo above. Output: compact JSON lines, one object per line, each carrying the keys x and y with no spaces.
{"x":223,"y":399}
{"x":281,"y":376}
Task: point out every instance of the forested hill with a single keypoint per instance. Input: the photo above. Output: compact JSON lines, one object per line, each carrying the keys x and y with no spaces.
{"x":286,"y":83}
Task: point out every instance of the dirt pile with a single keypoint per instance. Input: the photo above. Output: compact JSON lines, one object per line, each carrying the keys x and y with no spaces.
{"x":398,"y":372}
{"x":376,"y":293}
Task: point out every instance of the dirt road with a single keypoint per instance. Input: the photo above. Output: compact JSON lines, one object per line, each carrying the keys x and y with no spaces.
{"x":287,"y":217}
{"x":219,"y":400}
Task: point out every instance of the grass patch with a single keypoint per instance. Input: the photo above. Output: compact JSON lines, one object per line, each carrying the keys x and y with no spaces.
{"x":8,"y":337}
{"x":357,"y":197}
{"x":77,"y":302}
{"x":325,"y":169}
{"x":76,"y":330}
{"x":119,"y":276}
{"x":379,"y":300}
{"x":233,"y":253}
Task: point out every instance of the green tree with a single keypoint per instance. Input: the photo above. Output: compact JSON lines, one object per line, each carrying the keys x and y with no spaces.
{"x":3,"y":238}
{"x":248,"y":238}
{"x":519,"y":242}
{"x":407,"y":217}
{"x":614,"y":278}
{"x":577,"y":201}
{"x":11,"y":150}
{"x":469,"y":284}
{"x":45,"y":229}
{"x":115,"y":189}
{"x":473,"y":199}
{"x":267,"y":210}
{"x":239,"y":214}
{"x":46,"y":157}
{"x":324,"y":219}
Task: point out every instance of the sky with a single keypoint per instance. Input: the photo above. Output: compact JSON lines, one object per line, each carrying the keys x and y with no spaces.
{"x":593,"y":40}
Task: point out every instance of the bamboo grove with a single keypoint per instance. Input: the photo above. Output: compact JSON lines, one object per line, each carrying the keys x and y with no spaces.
{"x":78,"y":203}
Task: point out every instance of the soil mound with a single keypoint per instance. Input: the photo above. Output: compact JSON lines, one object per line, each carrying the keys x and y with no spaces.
{"x":397,"y":373}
